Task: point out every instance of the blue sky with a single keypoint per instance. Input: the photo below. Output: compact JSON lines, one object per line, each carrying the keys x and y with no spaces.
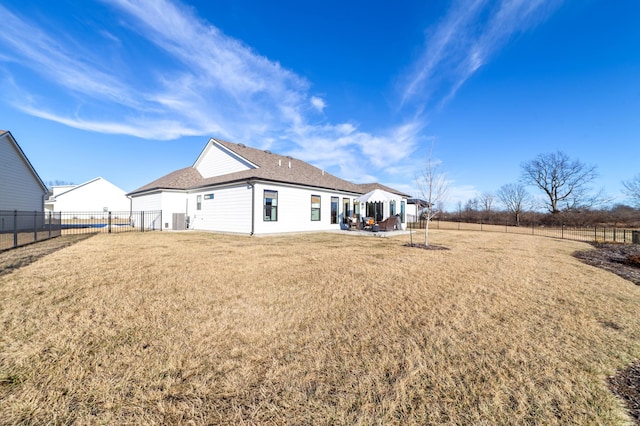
{"x":131,"y":90}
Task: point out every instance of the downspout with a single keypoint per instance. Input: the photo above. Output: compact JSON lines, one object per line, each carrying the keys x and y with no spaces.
{"x":253,"y":205}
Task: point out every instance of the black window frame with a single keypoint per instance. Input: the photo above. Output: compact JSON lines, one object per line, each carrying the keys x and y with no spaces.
{"x":270,"y":207}
{"x":335,"y":209}
{"x":317,"y":209}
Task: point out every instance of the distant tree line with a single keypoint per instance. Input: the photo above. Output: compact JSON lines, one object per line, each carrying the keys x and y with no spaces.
{"x":567,"y":198}
{"x":617,"y":216}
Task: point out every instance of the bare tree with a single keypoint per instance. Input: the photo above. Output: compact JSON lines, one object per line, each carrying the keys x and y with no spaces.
{"x":434,"y":187}
{"x":515,"y":198}
{"x":632,"y":189}
{"x":486,"y":200}
{"x":564,"y":182}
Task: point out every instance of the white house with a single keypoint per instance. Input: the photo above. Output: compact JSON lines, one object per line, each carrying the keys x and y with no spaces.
{"x":20,"y":186}
{"x":92,"y":196}
{"x":415,"y":206}
{"x":238,"y":189}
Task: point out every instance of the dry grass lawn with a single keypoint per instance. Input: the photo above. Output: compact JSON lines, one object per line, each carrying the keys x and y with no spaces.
{"x":314,"y":329}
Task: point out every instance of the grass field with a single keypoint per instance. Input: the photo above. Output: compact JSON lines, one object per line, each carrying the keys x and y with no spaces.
{"x":314,"y":329}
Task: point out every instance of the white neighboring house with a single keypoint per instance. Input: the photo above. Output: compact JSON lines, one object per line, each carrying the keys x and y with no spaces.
{"x":415,"y":206}
{"x":20,"y":186}
{"x":96,"y":195}
{"x":238,"y":189}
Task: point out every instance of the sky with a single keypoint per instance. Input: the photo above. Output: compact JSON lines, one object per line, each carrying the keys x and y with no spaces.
{"x":131,"y":90}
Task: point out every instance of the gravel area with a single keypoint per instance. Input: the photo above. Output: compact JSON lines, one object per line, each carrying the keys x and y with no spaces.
{"x":622,"y":260}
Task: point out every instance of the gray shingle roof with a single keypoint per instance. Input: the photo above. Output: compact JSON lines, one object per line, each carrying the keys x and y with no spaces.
{"x":271,"y":167}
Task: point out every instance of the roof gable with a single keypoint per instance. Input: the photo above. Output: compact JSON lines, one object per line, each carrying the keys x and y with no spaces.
{"x":251,"y":164}
{"x":217,"y":160}
{"x":98,"y":181}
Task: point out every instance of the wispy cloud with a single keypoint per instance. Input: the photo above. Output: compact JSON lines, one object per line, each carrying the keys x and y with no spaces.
{"x":210,"y":84}
{"x":199,"y":81}
{"x":465,"y":40}
{"x":60,"y":64}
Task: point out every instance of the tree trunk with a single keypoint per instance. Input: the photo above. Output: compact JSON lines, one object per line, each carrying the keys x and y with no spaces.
{"x":426,"y":232}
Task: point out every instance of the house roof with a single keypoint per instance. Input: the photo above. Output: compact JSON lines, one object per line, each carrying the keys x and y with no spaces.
{"x":368,"y":187}
{"x":24,"y":158}
{"x":271,"y":167}
{"x":75,"y":187}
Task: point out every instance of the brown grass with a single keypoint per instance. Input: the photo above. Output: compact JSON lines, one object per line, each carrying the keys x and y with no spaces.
{"x":314,"y":329}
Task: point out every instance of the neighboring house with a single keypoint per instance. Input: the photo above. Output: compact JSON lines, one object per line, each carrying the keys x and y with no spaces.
{"x":235,"y":188}
{"x":20,"y":186}
{"x":415,"y":206}
{"x":95,"y":195}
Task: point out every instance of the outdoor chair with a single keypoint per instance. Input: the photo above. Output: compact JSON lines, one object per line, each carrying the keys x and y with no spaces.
{"x":389,"y":224}
{"x":353,"y":222}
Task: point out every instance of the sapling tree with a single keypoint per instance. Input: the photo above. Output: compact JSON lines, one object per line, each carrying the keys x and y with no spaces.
{"x":434,"y":188}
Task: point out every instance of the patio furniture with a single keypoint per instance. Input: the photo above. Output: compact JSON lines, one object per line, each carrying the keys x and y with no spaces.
{"x":367,"y":223}
{"x":389,"y":224}
{"x":352,"y":222}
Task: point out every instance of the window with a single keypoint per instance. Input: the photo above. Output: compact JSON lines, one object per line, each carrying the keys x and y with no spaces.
{"x":356,"y":209}
{"x":345,"y":208}
{"x":208,"y":196}
{"x":402,"y":211}
{"x":315,"y":207}
{"x":392,"y":208}
{"x":199,"y":202}
{"x":270,"y":206}
{"x":334,"y":209}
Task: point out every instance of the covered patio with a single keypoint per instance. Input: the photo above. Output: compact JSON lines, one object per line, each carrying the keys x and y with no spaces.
{"x":381,"y":211}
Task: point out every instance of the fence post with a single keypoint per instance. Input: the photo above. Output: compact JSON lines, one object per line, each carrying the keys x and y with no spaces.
{"x":35,"y":225}
{"x":614,"y":235}
{"x":562,"y":232}
{"x":49,"y":224}
{"x":15,"y":228}
{"x":142,"y":221}
{"x":595,"y":234}
{"x":109,"y":223}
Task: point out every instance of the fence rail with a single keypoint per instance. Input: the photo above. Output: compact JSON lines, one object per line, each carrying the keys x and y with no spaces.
{"x":597,"y":234}
{"x":18,"y":228}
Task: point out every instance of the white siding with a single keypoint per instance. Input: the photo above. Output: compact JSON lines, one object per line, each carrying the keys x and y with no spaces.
{"x":168,"y":202}
{"x":228,"y":211}
{"x":147,"y":202}
{"x":172,"y":202}
{"x":230,"y":208}
{"x":20,"y":189}
{"x":95,"y":195}
{"x":294,"y":210}
{"x":216,"y":161}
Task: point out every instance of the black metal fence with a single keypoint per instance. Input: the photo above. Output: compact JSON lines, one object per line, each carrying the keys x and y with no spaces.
{"x":597,"y":234}
{"x":18,"y":228}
